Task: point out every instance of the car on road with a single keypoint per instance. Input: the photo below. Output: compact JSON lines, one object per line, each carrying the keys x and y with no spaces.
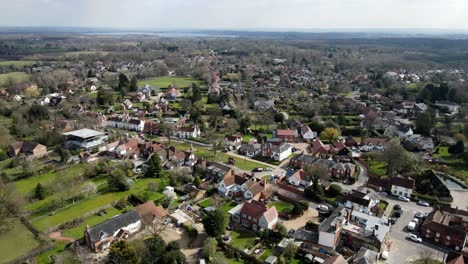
{"x":414,"y":238}
{"x":423,"y":203}
{"x":257,"y":170}
{"x":403,"y":198}
{"x":269,"y":169}
{"x":397,"y":207}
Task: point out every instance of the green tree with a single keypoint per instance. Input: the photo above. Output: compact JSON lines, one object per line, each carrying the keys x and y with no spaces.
{"x":299,"y":207}
{"x":196,"y":93}
{"x":155,"y":248}
{"x":281,"y":229}
{"x":279,"y":117}
{"x":244,"y":124}
{"x":118,"y":180}
{"x":457,"y":149}
{"x":397,"y":158}
{"x":215,"y":222}
{"x":133,"y":84}
{"x":209,"y":248}
{"x":154,"y":166}
{"x":290,"y":251}
{"x":39,"y":192}
{"x":121,"y":252}
{"x":124,"y":84}
{"x":424,"y":123}
{"x":104,"y":97}
{"x":330,"y":133}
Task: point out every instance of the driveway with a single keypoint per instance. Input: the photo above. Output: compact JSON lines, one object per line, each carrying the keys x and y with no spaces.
{"x":310,"y":214}
{"x":361,"y":181}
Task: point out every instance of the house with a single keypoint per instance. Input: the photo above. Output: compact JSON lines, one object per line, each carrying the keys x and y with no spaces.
{"x":137,"y":125}
{"x":350,"y":141}
{"x":447,"y":227}
{"x":253,"y":188}
{"x":150,"y":213}
{"x":339,"y":170}
{"x":147,"y":90}
{"x":401,"y":131}
{"x":307,"y":133}
{"x":365,"y":256}
{"x":233,"y":142}
{"x":257,"y":216}
{"x":362,"y":202}
{"x":27,"y":148}
{"x":337,"y":259}
{"x":263,"y":105}
{"x":86,"y":139}
{"x":287,"y":135}
{"x":231,"y":185}
{"x":127,"y":104}
{"x":271,"y":260}
{"x":317,"y":148}
{"x":172,"y":93}
{"x":452,"y":108}
{"x":250,"y":149}
{"x":374,"y":144}
{"x":402,"y":186}
{"x":416,"y":143}
{"x":100,"y":236}
{"x":217,"y":171}
{"x":188,"y":132}
{"x":298,"y":179}
{"x":276,"y":152}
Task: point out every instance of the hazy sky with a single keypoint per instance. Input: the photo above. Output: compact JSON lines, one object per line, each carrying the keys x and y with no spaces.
{"x":237,"y":14}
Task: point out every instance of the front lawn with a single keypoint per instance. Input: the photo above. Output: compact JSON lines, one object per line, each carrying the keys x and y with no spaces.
{"x":280,"y":205}
{"x":265,"y":254}
{"x":243,"y":239}
{"x":206,"y":202}
{"x":16,"y":242}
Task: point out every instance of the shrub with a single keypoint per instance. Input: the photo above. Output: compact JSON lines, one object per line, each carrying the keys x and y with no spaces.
{"x":334,"y":190}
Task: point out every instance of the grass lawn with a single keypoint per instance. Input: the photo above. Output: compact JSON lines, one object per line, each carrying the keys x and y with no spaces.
{"x":206,"y":202}
{"x":164,"y":82}
{"x":422,"y":261}
{"x":228,"y":206}
{"x":280,"y":205}
{"x":14,"y":76}
{"x":265,"y":254}
{"x":17,"y":241}
{"x":296,"y":261}
{"x":377,"y":167}
{"x":45,"y":257}
{"x":94,"y":203}
{"x":77,"y":232}
{"x":20,"y":63}
{"x":220,"y":156}
{"x":243,"y":239}
{"x":246,"y":138}
{"x":455,"y":164}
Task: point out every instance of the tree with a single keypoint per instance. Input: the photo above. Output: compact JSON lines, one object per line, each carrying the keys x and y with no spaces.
{"x":38,"y":113}
{"x":124,"y":84}
{"x":39,"y":192}
{"x":299,"y":207}
{"x":215,"y":222}
{"x":397,"y":158}
{"x":334,"y":190}
{"x":457,"y":149}
{"x":209,"y":248}
{"x":64,"y":154}
{"x":118,"y":180}
{"x":330,"y":134}
{"x":154,"y":166}
{"x":121,"y":252}
{"x":89,"y":189}
{"x":134,"y":84}
{"x":424,"y":124}
{"x":244,"y":124}
{"x":290,"y":251}
{"x":279,"y":117}
{"x":104,"y":97}
{"x":281,"y":229}
{"x":155,"y":249}
{"x":196,"y":93}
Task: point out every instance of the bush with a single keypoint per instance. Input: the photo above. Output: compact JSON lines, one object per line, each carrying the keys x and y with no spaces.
{"x":334,"y":190}
{"x":71,"y":224}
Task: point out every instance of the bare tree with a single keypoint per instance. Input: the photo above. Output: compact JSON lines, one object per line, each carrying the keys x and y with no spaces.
{"x":426,"y":255}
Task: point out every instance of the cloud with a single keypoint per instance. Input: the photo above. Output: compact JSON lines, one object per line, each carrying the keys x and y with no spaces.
{"x":298,"y":14}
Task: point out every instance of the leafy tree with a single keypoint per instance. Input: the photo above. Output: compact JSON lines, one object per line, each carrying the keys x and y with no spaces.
{"x":196,"y":93}
{"x":89,"y":189}
{"x":104,"y":97}
{"x":397,"y":158}
{"x":121,"y":252}
{"x":424,"y":123}
{"x":124,"y":84}
{"x":155,"y":166}
{"x":290,"y":251}
{"x":118,"y":180}
{"x":281,"y":229}
{"x":244,"y":124}
{"x":38,"y":112}
{"x":279,"y":117}
{"x":64,"y":154}
{"x":334,"y":190}
{"x":215,"y":222}
{"x":299,"y":207}
{"x":39,"y":192}
{"x":209,"y":248}
{"x":133,"y":84}
{"x":330,"y":133}
{"x":457,"y":149}
{"x":155,"y":249}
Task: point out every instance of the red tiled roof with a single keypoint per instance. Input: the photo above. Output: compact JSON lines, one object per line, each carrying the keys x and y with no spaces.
{"x":285,"y":132}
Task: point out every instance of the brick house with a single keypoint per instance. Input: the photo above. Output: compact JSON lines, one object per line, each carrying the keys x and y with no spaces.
{"x":288,"y":135}
{"x":256,"y":215}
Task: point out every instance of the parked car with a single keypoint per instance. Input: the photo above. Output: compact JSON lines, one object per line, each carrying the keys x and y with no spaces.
{"x":291,"y":232}
{"x":322,"y":207}
{"x":397,"y":207}
{"x":167,"y":221}
{"x":414,"y":238}
{"x":383,"y":193}
{"x":396,"y":214}
{"x":403,"y":198}
{"x":392,"y":220}
{"x":419,"y":215}
{"x":423,"y":203}
{"x":257,"y":170}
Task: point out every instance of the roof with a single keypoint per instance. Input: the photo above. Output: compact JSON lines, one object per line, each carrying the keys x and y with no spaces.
{"x":407,"y":183}
{"x":112,"y":225}
{"x":84,"y":133}
{"x":285,"y":132}
{"x":375,"y":141}
{"x":365,"y":256}
{"x":339,"y":259}
{"x":271,"y":214}
{"x":148,"y":211}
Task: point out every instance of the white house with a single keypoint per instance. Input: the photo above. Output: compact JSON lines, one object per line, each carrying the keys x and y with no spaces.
{"x":233,"y":142}
{"x":297,"y":179}
{"x":402,"y":186}
{"x":188,"y":132}
{"x":136,"y":125}
{"x":307,"y":133}
{"x":453,"y":108}
{"x":360,"y":201}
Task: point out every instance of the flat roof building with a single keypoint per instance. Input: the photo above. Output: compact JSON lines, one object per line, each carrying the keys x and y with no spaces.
{"x":85,"y":139}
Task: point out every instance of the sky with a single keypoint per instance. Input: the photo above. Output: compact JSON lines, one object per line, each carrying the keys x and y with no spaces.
{"x":238,"y":14}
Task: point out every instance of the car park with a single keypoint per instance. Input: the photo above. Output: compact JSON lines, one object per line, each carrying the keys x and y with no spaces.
{"x":419,"y":215}
{"x":423,"y":203}
{"x":392,"y":220}
{"x":414,"y":238}
{"x":403,"y":198}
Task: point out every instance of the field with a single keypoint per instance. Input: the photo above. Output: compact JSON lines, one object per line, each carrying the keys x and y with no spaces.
{"x":164,"y":82}
{"x":243,"y":239}
{"x":14,"y":77}
{"x":220,"y":156}
{"x":20,"y":63}
{"x":16,"y":242}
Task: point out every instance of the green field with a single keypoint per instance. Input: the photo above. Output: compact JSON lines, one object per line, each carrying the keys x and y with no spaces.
{"x":280,"y":205}
{"x":265,"y":254}
{"x":16,"y":242}
{"x":456,"y":165}
{"x":206,"y":202}
{"x":20,"y":63}
{"x":242,"y":239}
{"x":164,"y":82}
{"x":15,"y":77}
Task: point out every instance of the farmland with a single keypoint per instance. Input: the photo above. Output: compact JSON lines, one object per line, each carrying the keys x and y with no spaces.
{"x":17,"y":241}
{"x":164,"y":82}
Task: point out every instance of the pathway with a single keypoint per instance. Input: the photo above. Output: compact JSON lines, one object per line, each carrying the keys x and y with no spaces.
{"x":57,"y":235}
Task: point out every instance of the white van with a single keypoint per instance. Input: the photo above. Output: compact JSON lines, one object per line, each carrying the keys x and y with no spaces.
{"x":411,"y":226}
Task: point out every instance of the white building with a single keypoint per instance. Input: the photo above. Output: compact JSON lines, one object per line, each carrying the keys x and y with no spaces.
{"x":188,"y":132}
{"x":402,"y":186}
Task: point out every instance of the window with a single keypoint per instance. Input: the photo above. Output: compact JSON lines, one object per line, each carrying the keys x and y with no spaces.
{"x":428,"y":231}
{"x":437,"y":234}
{"x":436,"y":240}
{"x":448,"y":237}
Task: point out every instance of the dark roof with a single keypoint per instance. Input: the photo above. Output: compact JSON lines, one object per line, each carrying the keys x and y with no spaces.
{"x":357,"y":199}
{"x":407,"y":183}
{"x":112,"y":225}
{"x":376,"y":181}
{"x":305,"y":235}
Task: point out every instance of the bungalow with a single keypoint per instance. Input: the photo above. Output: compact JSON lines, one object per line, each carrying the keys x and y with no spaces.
{"x":188,"y":132}
{"x":150,"y":213}
{"x":100,"y":236}
{"x":253,"y":188}
{"x":373,"y":144}
{"x":231,"y":185}
{"x":172,"y":93}
{"x":233,"y":142}
{"x":27,"y":148}
{"x":127,"y":104}
{"x":136,"y":125}
{"x":250,"y":149}
{"x":256,"y":215}
{"x":401,"y":131}
{"x":335,"y":169}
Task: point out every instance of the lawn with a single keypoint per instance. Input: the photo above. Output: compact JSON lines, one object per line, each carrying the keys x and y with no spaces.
{"x":164,"y":82}
{"x":456,"y":165}
{"x":228,"y":206}
{"x":377,"y":167}
{"x":431,"y":261}
{"x":246,"y":138}
{"x":265,"y":254}
{"x":243,"y":239}
{"x":45,"y":257}
{"x":14,"y":76}
{"x":94,"y":203}
{"x":220,"y":156}
{"x":206,"y":202}
{"x":20,"y":63}
{"x":16,"y":242}
{"x":77,"y":232}
{"x":280,"y":205}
